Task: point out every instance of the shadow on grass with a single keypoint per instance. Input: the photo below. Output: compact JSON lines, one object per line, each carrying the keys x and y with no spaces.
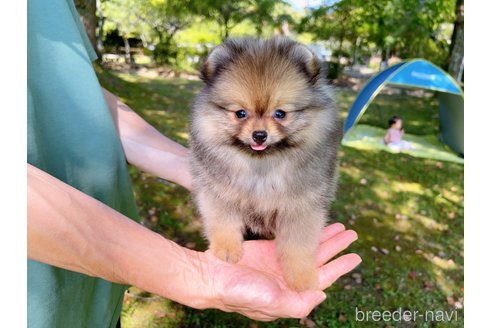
{"x":408,"y":213}
{"x":163,"y":103}
{"x":410,"y":235}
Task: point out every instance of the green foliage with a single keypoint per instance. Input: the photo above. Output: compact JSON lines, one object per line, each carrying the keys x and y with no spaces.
{"x":266,"y":15}
{"x":199,"y":38}
{"x":261,"y":14}
{"x":414,"y":26}
{"x":155,"y":22}
{"x":344,"y":20}
{"x":408,"y":28}
{"x":226,"y":13}
{"x":176,"y":31}
{"x":166,"y":53}
{"x":201,"y":31}
{"x":121,"y":15}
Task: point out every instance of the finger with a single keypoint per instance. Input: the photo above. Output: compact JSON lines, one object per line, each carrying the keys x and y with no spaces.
{"x":331,"y":231}
{"x":253,"y":311}
{"x":259,"y":317}
{"x":335,"y":245}
{"x":330,"y":272}
{"x":299,"y":305}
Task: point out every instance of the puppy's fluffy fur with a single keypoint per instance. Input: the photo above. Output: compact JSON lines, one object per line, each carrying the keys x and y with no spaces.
{"x":280,"y":187}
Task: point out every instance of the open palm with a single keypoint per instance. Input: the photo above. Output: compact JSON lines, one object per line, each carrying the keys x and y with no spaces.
{"x":255,"y":286}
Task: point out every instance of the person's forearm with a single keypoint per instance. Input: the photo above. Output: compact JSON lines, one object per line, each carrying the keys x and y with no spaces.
{"x":158,"y":162}
{"x":147,"y":148}
{"x":69,"y":229}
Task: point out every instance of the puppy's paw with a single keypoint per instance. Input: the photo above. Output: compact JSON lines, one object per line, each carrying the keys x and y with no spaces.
{"x":300,"y":275}
{"x":227,"y":250}
{"x":301,"y":280}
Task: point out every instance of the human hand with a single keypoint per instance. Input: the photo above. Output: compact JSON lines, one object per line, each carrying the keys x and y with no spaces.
{"x":255,"y":286}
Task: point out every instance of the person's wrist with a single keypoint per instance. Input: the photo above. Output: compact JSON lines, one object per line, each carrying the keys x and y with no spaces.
{"x":208,"y":290}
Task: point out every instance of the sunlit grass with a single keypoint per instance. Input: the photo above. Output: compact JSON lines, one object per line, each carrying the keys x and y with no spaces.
{"x":408,"y":213}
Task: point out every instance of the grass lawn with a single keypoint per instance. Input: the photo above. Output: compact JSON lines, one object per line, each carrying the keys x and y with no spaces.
{"x":408,"y":213}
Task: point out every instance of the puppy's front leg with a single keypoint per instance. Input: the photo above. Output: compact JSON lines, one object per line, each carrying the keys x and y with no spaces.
{"x":223,"y":228}
{"x":226,"y":238}
{"x":297,"y":241}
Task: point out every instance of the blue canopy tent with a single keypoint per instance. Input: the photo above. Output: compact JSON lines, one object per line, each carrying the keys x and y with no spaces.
{"x":419,"y":73}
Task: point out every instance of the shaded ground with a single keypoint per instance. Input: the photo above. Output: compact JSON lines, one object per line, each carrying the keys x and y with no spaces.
{"x":407,"y":211}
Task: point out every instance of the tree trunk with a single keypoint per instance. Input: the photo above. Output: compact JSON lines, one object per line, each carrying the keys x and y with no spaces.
{"x":284,"y":28}
{"x":226,"y":32}
{"x":259,"y":29}
{"x":339,"y":55}
{"x":128,"y":55}
{"x":462,"y":69}
{"x":384,"y":59}
{"x":456,"y":53}
{"x":355,"y":54}
{"x":100,"y":24}
{"x":87,"y":10}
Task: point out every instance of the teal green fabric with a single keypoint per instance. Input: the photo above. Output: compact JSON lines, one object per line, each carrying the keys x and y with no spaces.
{"x":71,"y":136}
{"x":368,"y":137}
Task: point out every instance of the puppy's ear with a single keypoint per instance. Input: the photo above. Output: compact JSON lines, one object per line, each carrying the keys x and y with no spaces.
{"x":308,"y":63}
{"x":214,"y":63}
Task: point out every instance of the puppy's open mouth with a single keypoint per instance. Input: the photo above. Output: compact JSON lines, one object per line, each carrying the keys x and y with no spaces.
{"x":258,"y":147}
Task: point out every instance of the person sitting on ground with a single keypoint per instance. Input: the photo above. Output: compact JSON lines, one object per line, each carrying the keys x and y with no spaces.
{"x":394,"y":135}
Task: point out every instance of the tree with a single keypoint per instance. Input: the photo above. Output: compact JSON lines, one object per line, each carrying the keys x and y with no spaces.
{"x":87,"y":11}
{"x":261,"y":14}
{"x":348,"y":24}
{"x":225,"y":12}
{"x":381,"y":17}
{"x":456,"y":53}
{"x":339,"y":22}
{"x":120,"y":15}
{"x":165,"y":18}
{"x":410,"y":28}
{"x":100,"y":27}
{"x":155,"y":22}
{"x":421,"y":28}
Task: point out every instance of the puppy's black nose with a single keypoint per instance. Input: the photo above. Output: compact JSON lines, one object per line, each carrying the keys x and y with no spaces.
{"x":260,"y":136}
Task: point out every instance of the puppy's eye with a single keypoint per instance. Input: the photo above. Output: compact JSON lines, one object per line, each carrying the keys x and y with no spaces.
{"x":241,"y":113}
{"x":279,"y":114}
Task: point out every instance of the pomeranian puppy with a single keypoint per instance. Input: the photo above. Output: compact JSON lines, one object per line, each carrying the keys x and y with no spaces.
{"x":264,"y":139}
